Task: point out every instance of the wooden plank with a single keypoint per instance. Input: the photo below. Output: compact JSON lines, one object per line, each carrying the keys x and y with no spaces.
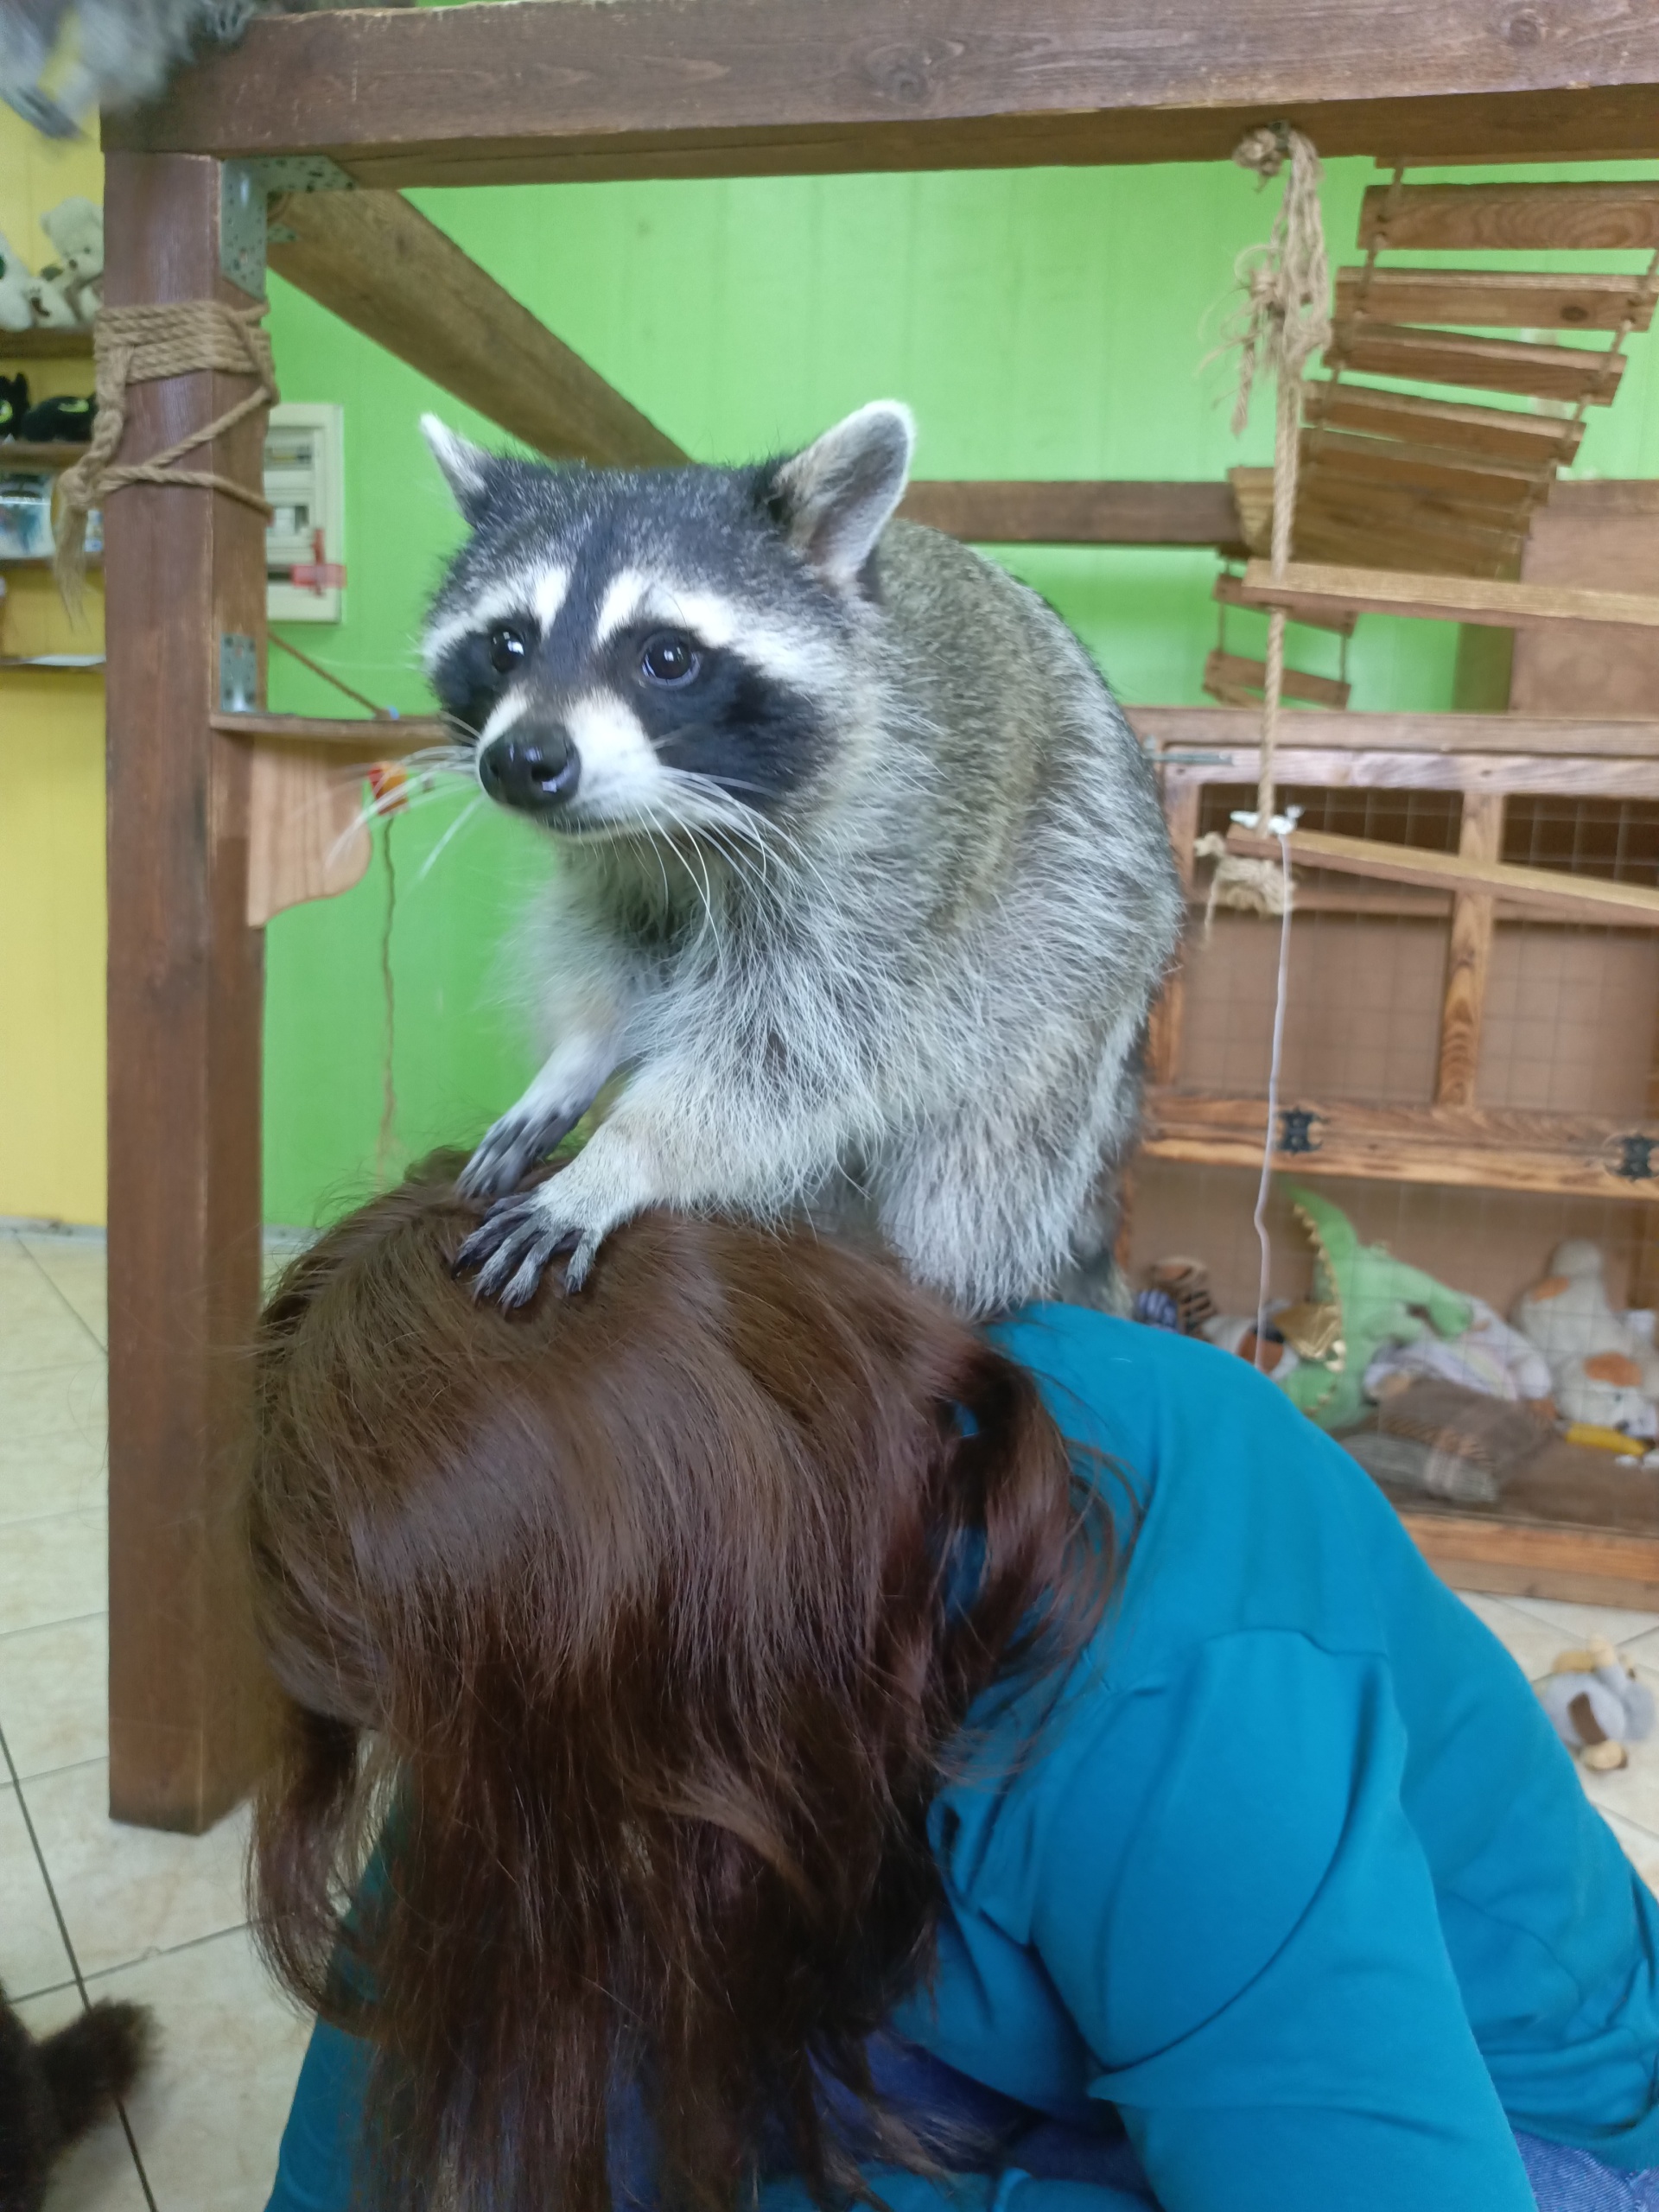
{"x":185,"y":987}
{"x":1503,"y":432}
{"x":1561,"y":738}
{"x":307,"y":836}
{"x":1492,"y":1150}
{"x":1503,"y":1559}
{"x":1551,"y":890}
{"x":1538,"y":371}
{"x":1471,"y":599}
{"x":1181,"y":801}
{"x":1489,"y":299}
{"x":1233,"y":673}
{"x":1482,"y":479}
{"x":1339,"y":527}
{"x":1101,"y":513}
{"x":363,"y":738}
{"x":1524,"y":217}
{"x":1228,"y":591}
{"x":518,"y":93}
{"x":1364,"y":771}
{"x":46,"y":345}
{"x":1613,"y":542}
{"x":381,"y":266}
{"x":1468,"y":957}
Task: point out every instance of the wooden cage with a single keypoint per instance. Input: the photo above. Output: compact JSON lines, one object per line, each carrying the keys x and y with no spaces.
{"x":335,"y":113}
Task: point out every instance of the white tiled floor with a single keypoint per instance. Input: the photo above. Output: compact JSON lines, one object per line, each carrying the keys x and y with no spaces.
{"x":86,"y":1905}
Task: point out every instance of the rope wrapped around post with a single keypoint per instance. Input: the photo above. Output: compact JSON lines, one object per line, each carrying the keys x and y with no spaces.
{"x":1286,"y":320}
{"x":142,"y":345}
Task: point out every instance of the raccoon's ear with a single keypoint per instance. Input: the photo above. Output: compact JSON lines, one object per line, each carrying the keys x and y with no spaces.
{"x":837,"y":498}
{"x":465,"y":468}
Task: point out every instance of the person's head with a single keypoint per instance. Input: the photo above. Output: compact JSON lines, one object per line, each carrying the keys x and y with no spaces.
{"x":650,"y":1614}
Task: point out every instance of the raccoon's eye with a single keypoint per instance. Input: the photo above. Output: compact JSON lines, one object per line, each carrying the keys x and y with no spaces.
{"x":669,"y":659}
{"x":507,"y":650}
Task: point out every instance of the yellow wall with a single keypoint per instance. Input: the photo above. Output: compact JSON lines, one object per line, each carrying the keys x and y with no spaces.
{"x":51,"y":805}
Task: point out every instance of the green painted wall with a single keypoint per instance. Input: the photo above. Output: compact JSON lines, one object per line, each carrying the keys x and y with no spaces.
{"x":1046,"y":323}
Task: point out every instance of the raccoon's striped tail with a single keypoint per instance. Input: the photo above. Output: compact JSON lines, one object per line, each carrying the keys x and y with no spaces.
{"x":94,"y":2061}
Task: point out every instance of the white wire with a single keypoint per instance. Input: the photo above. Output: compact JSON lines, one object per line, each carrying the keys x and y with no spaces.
{"x":1262,"y":1188}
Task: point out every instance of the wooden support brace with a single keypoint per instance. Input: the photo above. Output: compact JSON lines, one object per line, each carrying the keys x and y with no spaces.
{"x":1468,"y":955}
{"x":380,"y":265}
{"x":1582,"y":898}
{"x":182,"y":569}
{"x":1182,"y":795}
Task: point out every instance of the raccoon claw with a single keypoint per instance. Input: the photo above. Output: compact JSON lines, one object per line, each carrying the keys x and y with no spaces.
{"x":511,"y":1250}
{"x":510,"y":1150}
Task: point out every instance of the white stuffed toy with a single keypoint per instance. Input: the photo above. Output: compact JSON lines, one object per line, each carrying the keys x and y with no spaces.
{"x":16,"y":310}
{"x":1604,"y":1372}
{"x":1597,"y":1705}
{"x":76,"y":230}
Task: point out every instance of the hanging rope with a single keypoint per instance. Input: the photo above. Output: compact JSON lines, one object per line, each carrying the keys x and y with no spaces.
{"x":142,"y":344}
{"x":1284,"y":321}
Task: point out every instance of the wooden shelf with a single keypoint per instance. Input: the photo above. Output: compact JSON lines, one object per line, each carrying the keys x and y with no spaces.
{"x":1575,"y":1155}
{"x":45,"y":344}
{"x":1573,"y":1525}
{"x":21,"y":454}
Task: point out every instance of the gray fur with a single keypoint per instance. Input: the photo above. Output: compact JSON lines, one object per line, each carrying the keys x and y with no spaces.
{"x":915,"y":986}
{"x":127,"y":49}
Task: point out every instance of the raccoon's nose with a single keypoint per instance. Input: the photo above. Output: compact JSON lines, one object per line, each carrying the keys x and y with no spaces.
{"x":537,"y":770}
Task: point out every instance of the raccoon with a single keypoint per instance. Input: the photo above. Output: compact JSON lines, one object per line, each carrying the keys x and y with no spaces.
{"x":861,"y":872}
{"x":124,"y":50}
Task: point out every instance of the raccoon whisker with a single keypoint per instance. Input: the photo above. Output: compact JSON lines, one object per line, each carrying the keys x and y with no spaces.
{"x":444,"y":842}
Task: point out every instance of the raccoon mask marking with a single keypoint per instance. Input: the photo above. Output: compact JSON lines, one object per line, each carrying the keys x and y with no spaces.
{"x":861,"y":872}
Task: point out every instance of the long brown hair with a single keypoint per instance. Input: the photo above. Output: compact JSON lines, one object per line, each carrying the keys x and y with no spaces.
{"x":646,"y":1617}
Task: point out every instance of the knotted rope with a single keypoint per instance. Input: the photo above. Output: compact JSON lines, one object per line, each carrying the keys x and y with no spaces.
{"x":142,"y":345}
{"x":1285,"y":320}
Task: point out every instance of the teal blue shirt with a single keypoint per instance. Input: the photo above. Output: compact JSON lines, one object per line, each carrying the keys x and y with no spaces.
{"x":1299,"y":1877}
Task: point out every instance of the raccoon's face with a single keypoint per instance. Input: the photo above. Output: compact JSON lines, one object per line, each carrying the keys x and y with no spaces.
{"x":635,"y":651}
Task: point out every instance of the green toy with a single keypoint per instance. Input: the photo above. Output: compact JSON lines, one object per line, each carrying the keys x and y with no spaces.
{"x":1362,"y":1298}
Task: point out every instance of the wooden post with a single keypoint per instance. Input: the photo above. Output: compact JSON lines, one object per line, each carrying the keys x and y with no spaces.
{"x":1468,"y":955}
{"x":186,"y":975}
{"x":1181,"y":797}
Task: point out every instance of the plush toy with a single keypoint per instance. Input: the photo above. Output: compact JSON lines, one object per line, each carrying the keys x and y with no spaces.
{"x":66,"y":420}
{"x":1362,"y":1298}
{"x":16,"y":308}
{"x":76,"y":230}
{"x":1597,"y":1705}
{"x":1489,"y":1355}
{"x":1604,"y":1373}
{"x":14,"y":405}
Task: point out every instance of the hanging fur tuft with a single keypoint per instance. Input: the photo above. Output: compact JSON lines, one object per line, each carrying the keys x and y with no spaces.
{"x":61,"y":58}
{"x":53,"y":2091}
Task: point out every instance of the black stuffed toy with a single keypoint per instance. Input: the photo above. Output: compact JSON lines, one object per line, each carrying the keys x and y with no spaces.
{"x":66,"y":420}
{"x":14,"y":405}
{"x":52,"y":2092}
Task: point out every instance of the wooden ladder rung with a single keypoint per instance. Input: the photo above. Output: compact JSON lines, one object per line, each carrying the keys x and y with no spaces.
{"x":1478,"y":478}
{"x":1237,"y":681}
{"x":1333,"y":491}
{"x":1503,"y":432}
{"x":1498,"y":604}
{"x":1539,"y":371}
{"x":1489,"y":299}
{"x":1518,"y":218}
{"x":1391,"y":532}
{"x":1229,"y":591}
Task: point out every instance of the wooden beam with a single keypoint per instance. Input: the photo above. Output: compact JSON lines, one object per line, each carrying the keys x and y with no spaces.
{"x":1181,"y":799}
{"x":1490,"y":1150}
{"x":381,"y":266}
{"x":1446,"y":599}
{"x":1469,"y":953}
{"x":1555,"y":738}
{"x":1100,"y":513}
{"x":1299,"y":768}
{"x":364,"y":737}
{"x":1229,"y":591}
{"x":1582,"y":898}
{"x":523,"y":93}
{"x":1525,"y":217}
{"x":1508,"y":1558}
{"x":186,"y":976}
{"x":1494,"y":299}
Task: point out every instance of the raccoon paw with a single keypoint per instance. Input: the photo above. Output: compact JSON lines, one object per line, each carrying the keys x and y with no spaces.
{"x":513,"y":1148}
{"x":513,"y":1247}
